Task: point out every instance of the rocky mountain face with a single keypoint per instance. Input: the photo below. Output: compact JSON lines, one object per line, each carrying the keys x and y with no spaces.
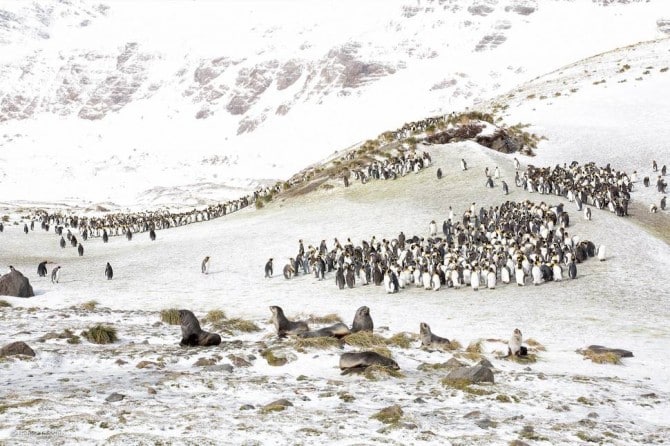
{"x":189,"y":63}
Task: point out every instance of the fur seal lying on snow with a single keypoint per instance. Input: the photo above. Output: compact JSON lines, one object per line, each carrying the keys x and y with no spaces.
{"x":191,"y":333}
{"x":283,"y":325}
{"x":358,"y":362}
{"x":362,"y":320}
{"x":428,"y":339}
{"x":338,"y":330}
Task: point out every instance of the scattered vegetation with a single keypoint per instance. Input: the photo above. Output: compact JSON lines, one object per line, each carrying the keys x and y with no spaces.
{"x":531,"y":96}
{"x":273,"y":359}
{"x":215,"y":316}
{"x":601,"y":358}
{"x":323,"y":342}
{"x":364,"y":339}
{"x":536,"y":345}
{"x":601,"y":81}
{"x":475,"y":347}
{"x":664,"y":69}
{"x":465,"y":386}
{"x":90,"y":305}
{"x":377,"y":372}
{"x":100,"y":334}
{"x":259,"y":204}
{"x":4,"y":303}
{"x":243,"y":325}
{"x":624,"y":68}
{"x":402,"y":340}
{"x":170,"y":316}
{"x":330,"y":318}
{"x":389,"y":415}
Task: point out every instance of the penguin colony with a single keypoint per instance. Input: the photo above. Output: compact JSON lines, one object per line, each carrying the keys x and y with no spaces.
{"x":520,"y":243}
{"x":390,"y":168}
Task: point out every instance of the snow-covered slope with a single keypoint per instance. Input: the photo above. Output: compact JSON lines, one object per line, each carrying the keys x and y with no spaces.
{"x":143,"y":94}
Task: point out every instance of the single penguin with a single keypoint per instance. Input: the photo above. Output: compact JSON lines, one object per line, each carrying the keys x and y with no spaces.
{"x":439,"y":173}
{"x":268,"y":268}
{"x":80,"y":250}
{"x":204,"y":266}
{"x":25,"y":228}
{"x":42,"y":269}
{"x":504,"y":275}
{"x":109,"y":273}
{"x":474,"y":279}
{"x":558,"y":272}
{"x":536,"y":272}
{"x":464,"y":165}
{"x":288,"y":270}
{"x":519,"y":274}
{"x":587,"y":213}
{"x":62,"y":242}
{"x":602,"y":253}
{"x":505,"y":188}
{"x":152,"y":235}
{"x":340,"y":280}
{"x":572,"y":270}
{"x":55,"y":274}
{"x":663,"y":203}
{"x":105,"y":236}
{"x":425,"y":279}
{"x":350,"y":276}
{"x":491,"y":278}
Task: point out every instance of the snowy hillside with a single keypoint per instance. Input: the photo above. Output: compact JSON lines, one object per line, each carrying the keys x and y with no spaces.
{"x":130,"y":102}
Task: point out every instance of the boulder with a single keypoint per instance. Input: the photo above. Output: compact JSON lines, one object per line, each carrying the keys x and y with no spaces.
{"x":15,"y":284}
{"x":17,"y":348}
{"x":471,"y":375}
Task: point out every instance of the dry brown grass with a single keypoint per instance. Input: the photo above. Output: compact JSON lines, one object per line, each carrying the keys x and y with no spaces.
{"x":302,"y":344}
{"x":170,"y":316}
{"x":536,"y":345}
{"x":602,"y":358}
{"x":330,"y":318}
{"x":365,"y":339}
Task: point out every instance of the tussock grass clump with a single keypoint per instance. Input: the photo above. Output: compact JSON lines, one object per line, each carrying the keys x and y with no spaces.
{"x":4,"y":304}
{"x":530,"y":358}
{"x":323,"y":342}
{"x":602,"y":358}
{"x":170,"y":316}
{"x":365,"y":339}
{"x":455,"y":345}
{"x":376,"y":372}
{"x":536,"y":345}
{"x":100,"y":334}
{"x":330,"y":318}
{"x":90,"y":305}
{"x":237,"y":324}
{"x":389,"y":415}
{"x":214,"y":316}
{"x":475,"y":347}
{"x":465,"y":386}
{"x":402,"y":340}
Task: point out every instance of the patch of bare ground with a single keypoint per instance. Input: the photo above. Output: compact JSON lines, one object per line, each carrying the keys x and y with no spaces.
{"x":657,"y":224}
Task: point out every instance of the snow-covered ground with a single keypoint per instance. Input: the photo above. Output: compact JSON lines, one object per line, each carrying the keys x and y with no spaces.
{"x":59,"y":397}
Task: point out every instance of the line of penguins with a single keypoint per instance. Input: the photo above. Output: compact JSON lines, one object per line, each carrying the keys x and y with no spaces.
{"x":517,"y":242}
{"x":127,"y":224}
{"x":193,"y":335}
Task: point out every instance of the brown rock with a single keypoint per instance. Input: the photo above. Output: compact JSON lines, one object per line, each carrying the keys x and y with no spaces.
{"x":17,"y":348}
{"x":15,"y":284}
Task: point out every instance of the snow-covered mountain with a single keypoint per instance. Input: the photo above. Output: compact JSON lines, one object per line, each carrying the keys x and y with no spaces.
{"x":183,"y":102}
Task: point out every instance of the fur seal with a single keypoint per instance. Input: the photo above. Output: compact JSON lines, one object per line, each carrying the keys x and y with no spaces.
{"x":285,"y":326}
{"x":42,"y":269}
{"x":109,"y":272}
{"x":428,"y":339}
{"x":191,"y":333}
{"x":358,"y":362}
{"x":362,"y":320}
{"x":514,"y":344}
{"x":204,"y":266}
{"x":338,"y":331}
